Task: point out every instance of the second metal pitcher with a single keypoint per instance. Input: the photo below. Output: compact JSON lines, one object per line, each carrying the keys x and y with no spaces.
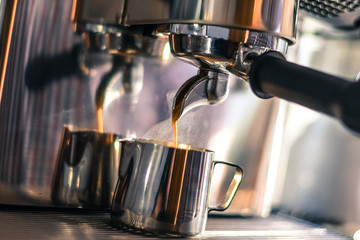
{"x":86,"y":169}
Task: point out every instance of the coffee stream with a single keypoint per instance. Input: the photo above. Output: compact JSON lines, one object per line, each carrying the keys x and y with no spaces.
{"x":100,"y":121}
{"x":99,"y":102}
{"x":175,"y":117}
{"x":174,"y":125}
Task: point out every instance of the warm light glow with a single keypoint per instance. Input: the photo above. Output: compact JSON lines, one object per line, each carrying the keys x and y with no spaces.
{"x":99,"y":28}
{"x":117,"y":146}
{"x":238,"y":178}
{"x":110,"y":97}
{"x":357,"y":235}
{"x":183,"y":146}
{"x":73,"y":11}
{"x":112,"y":91}
{"x":70,"y":176}
{"x":219,"y":146}
{"x":166,"y":52}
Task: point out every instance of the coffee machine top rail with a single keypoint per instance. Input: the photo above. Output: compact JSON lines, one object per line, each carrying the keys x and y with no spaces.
{"x":272,"y":17}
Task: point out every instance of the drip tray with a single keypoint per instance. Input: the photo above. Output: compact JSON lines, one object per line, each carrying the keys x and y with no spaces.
{"x":43,"y":223}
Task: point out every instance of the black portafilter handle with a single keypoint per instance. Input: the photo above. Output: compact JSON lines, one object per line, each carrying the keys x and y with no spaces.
{"x":271,"y":75}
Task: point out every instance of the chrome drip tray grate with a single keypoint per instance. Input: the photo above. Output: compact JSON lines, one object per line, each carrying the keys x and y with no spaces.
{"x":29,"y":223}
{"x":329,"y":8}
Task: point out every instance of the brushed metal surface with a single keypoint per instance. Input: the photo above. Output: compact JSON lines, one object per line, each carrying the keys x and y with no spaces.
{"x":275,"y":17}
{"x":106,"y":11}
{"x":86,"y":169}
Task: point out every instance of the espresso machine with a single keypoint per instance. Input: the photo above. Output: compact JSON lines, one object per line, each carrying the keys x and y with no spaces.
{"x":72,"y":66}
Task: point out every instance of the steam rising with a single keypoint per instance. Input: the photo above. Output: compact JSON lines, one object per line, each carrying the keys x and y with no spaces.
{"x":193,"y":127}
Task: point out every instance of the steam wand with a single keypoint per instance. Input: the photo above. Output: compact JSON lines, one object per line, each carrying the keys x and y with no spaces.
{"x":271,"y":75}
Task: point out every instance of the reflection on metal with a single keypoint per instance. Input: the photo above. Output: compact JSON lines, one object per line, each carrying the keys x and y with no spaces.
{"x":276,"y":18}
{"x":86,"y":169}
{"x":206,"y":88}
{"x":357,"y":77}
{"x":5,"y":38}
{"x":137,"y":41}
{"x":102,"y":11}
{"x":216,"y":50}
{"x":165,"y":190}
{"x":124,"y":79}
{"x":220,"y":48}
{"x":273,"y":17}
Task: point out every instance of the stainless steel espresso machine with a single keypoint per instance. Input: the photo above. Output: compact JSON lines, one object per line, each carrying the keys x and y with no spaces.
{"x":75,"y":66}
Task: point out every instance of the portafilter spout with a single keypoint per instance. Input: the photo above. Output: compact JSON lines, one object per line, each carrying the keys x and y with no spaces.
{"x":217,"y":52}
{"x":206,"y":88}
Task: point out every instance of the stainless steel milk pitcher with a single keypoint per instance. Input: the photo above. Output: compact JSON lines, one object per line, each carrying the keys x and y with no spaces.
{"x":164,"y":189}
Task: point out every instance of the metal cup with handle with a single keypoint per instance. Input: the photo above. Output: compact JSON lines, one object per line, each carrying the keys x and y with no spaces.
{"x":164,"y":189}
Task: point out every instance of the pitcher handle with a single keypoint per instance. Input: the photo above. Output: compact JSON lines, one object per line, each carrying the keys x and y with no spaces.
{"x":233,"y":187}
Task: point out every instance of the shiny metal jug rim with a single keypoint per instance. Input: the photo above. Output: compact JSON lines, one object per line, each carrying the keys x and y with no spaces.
{"x":179,"y":146}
